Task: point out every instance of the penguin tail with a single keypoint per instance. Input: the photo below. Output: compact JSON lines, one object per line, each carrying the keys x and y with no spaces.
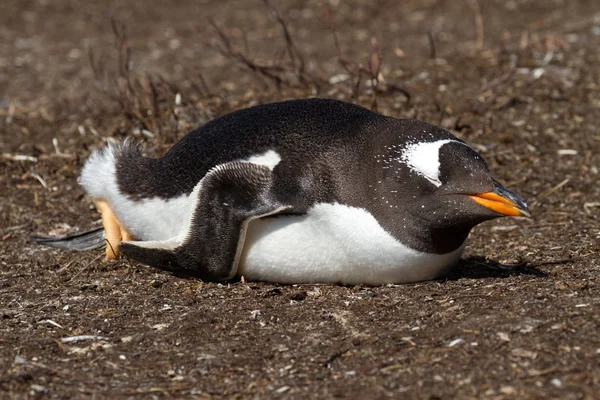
{"x":89,"y":240}
{"x":99,"y":173}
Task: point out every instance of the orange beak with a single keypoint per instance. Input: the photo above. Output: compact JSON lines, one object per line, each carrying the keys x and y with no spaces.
{"x":502,"y":201}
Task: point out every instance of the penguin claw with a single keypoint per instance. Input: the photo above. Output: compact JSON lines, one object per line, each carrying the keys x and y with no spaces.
{"x":114,"y":232}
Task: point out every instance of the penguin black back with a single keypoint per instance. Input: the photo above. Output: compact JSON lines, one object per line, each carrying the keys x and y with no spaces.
{"x":298,"y":128}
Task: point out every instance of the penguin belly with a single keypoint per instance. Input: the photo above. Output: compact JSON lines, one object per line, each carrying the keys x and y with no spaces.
{"x":334,"y":243}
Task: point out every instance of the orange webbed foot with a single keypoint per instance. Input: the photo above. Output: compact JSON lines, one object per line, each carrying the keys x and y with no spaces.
{"x":114,"y":232}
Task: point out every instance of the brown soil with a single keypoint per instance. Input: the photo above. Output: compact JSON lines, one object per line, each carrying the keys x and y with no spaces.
{"x":520,"y":316}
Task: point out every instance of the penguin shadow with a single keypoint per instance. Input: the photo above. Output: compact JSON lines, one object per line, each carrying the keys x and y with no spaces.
{"x":480,"y":267}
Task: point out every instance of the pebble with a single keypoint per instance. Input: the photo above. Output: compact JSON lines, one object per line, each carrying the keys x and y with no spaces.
{"x":556,"y":382}
{"x":38,"y":388}
{"x":282,"y":389}
{"x":508,"y":390}
{"x":455,"y":342}
{"x":21,"y":360}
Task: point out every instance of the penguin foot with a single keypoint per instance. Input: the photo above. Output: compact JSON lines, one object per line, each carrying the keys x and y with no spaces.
{"x":114,"y":232}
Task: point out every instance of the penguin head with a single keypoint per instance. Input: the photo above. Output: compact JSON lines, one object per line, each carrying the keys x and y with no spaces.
{"x":451,"y":187}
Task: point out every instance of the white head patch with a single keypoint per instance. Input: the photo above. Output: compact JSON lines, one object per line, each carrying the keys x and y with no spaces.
{"x":423,"y":158}
{"x":269,"y":159}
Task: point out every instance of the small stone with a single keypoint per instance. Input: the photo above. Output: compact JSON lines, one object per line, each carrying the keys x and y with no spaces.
{"x":524,"y":353}
{"x":508,"y":390}
{"x":282,"y":348}
{"x":503,"y":336}
{"x":282,"y":389}
{"x":455,"y":342}
{"x":38,"y":389}
{"x":122,"y":357}
{"x":556,"y":382}
{"x":21,"y":360}
{"x":566,"y":152}
{"x":526,"y":329}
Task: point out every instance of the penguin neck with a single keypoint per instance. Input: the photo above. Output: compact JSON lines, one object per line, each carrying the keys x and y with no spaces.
{"x":445,"y":240}
{"x":420,"y":234}
{"x":437,"y":240}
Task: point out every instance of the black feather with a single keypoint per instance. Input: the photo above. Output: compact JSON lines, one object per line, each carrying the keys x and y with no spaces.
{"x":89,"y":240}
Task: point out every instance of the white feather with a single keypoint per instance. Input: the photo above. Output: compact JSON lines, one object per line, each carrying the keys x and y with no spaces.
{"x":423,"y":158}
{"x":334,"y":243}
{"x":169,"y":244}
{"x":269,"y":158}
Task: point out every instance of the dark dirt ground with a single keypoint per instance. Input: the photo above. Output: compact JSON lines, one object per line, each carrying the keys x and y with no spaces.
{"x":519,"y":318}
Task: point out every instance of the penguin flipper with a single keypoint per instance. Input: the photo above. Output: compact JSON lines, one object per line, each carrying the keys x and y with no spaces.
{"x":89,"y":240}
{"x":225,"y":201}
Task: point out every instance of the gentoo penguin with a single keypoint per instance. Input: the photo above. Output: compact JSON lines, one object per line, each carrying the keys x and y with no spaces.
{"x":300,"y":191}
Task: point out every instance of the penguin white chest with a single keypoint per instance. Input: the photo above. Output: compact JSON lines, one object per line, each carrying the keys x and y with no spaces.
{"x":334,"y":243}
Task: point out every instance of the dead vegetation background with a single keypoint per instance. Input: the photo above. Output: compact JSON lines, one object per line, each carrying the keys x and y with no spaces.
{"x":517,"y":79}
